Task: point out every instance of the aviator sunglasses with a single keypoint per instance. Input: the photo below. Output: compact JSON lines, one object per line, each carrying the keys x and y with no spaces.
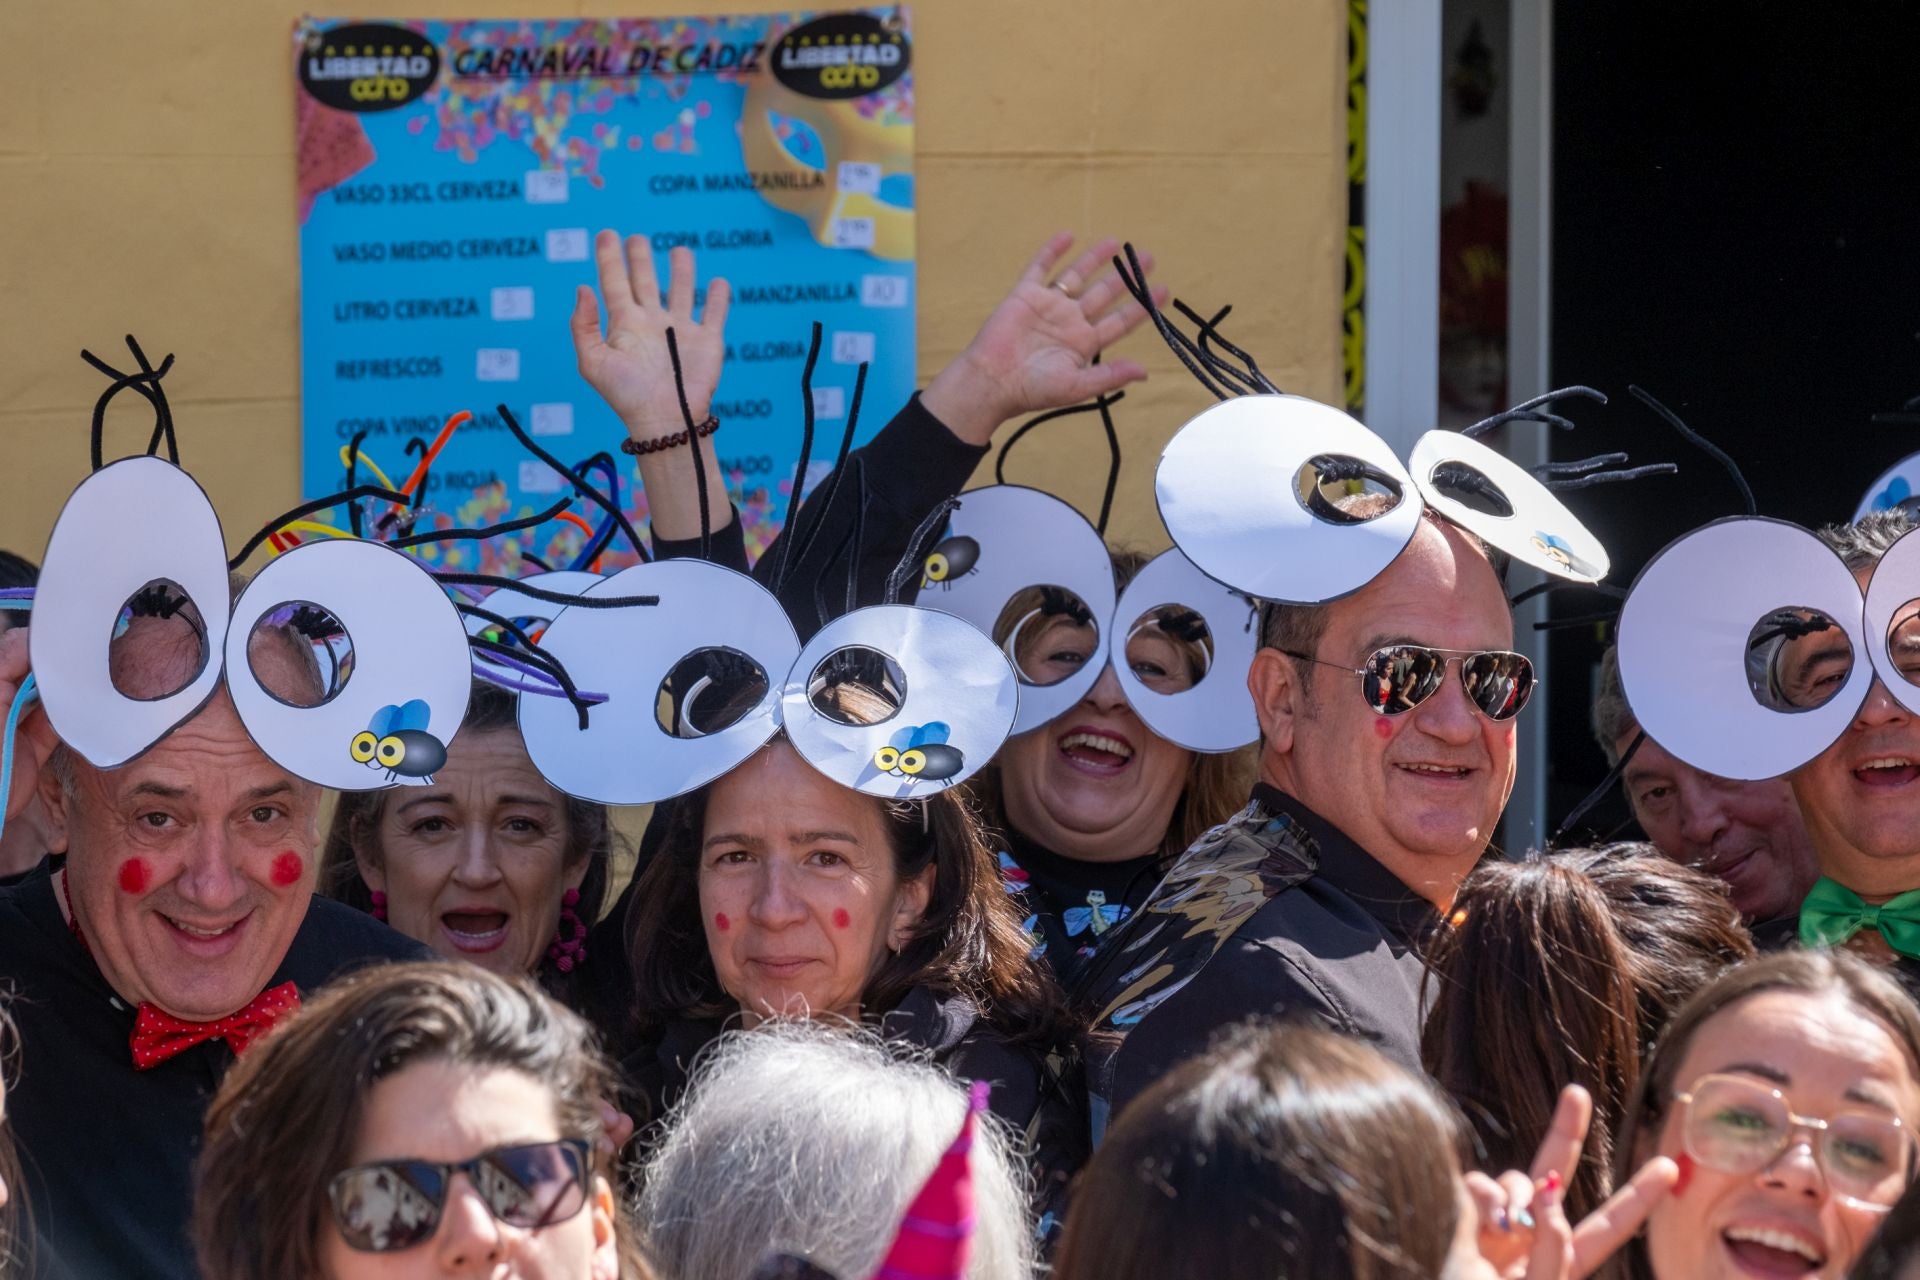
{"x":391,"y":1205}
{"x":1400,"y":677}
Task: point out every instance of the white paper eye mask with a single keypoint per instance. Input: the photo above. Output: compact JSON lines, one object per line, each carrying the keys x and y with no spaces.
{"x":639,"y":658}
{"x":389,"y":721}
{"x":90,"y":573}
{"x":1742,"y":673}
{"x":1186,"y":644}
{"x":1263,"y":494}
{"x":1004,"y":544}
{"x":1501,"y":504}
{"x":951,"y":701}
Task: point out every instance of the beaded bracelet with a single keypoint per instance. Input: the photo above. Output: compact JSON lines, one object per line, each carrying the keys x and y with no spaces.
{"x":674,"y":441}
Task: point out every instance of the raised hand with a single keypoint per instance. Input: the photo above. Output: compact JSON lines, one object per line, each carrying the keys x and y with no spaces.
{"x":629,"y":366}
{"x":35,"y":741}
{"x":1524,"y":1231}
{"x":632,"y":370}
{"x":1035,"y":352}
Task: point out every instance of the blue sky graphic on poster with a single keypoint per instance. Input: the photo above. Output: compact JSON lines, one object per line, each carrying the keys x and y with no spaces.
{"x":452,"y":175}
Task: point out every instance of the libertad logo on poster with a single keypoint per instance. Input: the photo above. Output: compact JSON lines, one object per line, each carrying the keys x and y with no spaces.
{"x":368,"y":66}
{"x":843,"y":55}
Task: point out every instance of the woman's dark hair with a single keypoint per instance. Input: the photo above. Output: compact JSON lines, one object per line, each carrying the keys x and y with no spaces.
{"x":1217,"y":782}
{"x":968,"y":943}
{"x":357,"y":816}
{"x":1838,"y":973}
{"x":1561,"y":970}
{"x":1286,"y":1153}
{"x":14,"y":1243}
{"x":288,"y":1114}
{"x":1895,"y":1247}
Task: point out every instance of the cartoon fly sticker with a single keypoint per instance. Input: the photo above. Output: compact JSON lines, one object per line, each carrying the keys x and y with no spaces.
{"x":396,"y":739}
{"x":954,"y":558}
{"x":1553,"y":546}
{"x":920,"y":754}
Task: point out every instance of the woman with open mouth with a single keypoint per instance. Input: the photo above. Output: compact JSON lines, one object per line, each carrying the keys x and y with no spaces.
{"x":488,"y":864}
{"x":1092,"y":806}
{"x":1788,"y":1092}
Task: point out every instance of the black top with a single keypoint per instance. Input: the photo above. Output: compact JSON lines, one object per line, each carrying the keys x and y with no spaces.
{"x":1040,"y":1094}
{"x":1070,"y":907}
{"x":912,"y":465}
{"x":108,"y":1150}
{"x":1304,"y":923}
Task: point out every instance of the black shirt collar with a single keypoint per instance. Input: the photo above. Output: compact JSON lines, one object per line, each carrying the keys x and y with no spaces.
{"x":1353,"y":871}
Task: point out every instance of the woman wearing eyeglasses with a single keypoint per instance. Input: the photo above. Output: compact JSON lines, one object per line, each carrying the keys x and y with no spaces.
{"x":426,"y":1119}
{"x":1788,"y":1092}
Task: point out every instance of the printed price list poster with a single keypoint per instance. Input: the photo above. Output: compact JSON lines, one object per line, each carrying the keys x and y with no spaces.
{"x":452,"y":175}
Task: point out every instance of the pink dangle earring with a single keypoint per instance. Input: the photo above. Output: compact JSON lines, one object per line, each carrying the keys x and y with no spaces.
{"x":569,"y":945}
{"x":379,"y":909}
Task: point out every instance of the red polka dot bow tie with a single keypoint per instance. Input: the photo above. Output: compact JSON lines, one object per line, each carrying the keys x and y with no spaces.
{"x":158,"y":1035}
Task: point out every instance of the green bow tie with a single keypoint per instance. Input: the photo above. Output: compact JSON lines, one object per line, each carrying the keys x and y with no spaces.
{"x":1833,"y":913}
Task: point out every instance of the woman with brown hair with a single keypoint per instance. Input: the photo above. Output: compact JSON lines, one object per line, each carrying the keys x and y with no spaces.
{"x":1091,"y":807}
{"x":778,"y":892}
{"x":1788,"y":1091}
{"x":489,"y":863}
{"x":430,"y":1118}
{"x":1562,"y":970}
{"x":1291,"y":1153}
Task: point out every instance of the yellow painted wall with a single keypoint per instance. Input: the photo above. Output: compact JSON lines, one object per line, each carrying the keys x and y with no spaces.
{"x":146,"y":186}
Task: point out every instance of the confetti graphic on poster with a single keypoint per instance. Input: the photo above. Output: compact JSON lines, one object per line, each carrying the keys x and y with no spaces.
{"x":452,"y":175}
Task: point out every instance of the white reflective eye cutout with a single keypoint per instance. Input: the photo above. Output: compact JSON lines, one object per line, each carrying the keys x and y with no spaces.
{"x":624,"y":756}
{"x":412,"y":673}
{"x":1537,"y":530}
{"x":1217,"y":713}
{"x":1685,"y":634}
{"x":89,"y":572}
{"x":960,"y":701}
{"x":1228,"y":488}
{"x":1007,"y":539}
{"x":1894,"y":586}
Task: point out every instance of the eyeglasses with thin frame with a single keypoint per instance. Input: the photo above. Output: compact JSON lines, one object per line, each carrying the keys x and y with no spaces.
{"x":389,"y":1205}
{"x":1741,"y":1126}
{"x":1397,"y":678}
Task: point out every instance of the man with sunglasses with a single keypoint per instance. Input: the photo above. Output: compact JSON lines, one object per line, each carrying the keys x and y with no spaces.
{"x":179,"y":925}
{"x":1386,"y":760}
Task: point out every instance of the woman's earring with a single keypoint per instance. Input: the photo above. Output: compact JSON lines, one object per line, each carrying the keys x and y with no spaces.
{"x":569,"y":946}
{"x":379,"y":908}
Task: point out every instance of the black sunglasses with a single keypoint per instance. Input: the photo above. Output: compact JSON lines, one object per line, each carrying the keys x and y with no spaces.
{"x":391,"y":1205}
{"x":1400,"y":677}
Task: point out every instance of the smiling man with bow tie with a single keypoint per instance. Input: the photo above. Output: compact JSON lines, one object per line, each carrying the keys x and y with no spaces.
{"x":179,"y":925}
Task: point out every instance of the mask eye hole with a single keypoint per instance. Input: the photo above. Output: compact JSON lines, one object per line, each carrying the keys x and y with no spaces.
{"x":1170,"y":648}
{"x":1472,"y":488}
{"x":1341,"y":489}
{"x":1797,"y":659}
{"x":708,"y":691}
{"x":301,"y":654}
{"x":159,"y":643}
{"x":857,"y":686}
{"x":1048,"y":633}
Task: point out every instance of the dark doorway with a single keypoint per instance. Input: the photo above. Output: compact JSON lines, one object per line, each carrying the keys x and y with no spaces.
{"x":1735,"y":229}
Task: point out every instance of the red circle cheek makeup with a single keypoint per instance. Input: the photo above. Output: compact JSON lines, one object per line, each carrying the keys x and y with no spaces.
{"x":721,"y":922}
{"x":288,"y":868}
{"x":1382,"y":727}
{"x":840,"y":918}
{"x":135,"y":876}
